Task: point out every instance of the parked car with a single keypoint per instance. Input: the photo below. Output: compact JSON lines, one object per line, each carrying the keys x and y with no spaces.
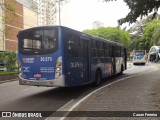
{"x":2,"y":66}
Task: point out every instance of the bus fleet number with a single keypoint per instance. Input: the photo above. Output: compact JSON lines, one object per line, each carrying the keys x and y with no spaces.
{"x":46,"y":59}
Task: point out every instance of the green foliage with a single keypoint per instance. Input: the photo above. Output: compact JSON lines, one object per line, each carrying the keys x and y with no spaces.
{"x":135,"y":44}
{"x":149,"y":37}
{"x":145,"y":33}
{"x":9,"y":59}
{"x":8,"y":73}
{"x":111,"y":33}
{"x":91,"y":32}
{"x":139,"y":8}
{"x":151,"y":34}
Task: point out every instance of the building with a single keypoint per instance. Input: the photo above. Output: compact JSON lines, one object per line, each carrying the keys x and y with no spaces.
{"x":46,"y":12}
{"x":30,"y":13}
{"x":97,"y":24}
{"x":53,"y":12}
{"x":2,"y":47}
{"x":12,"y":24}
{"x":26,"y":14}
{"x":21,"y":14}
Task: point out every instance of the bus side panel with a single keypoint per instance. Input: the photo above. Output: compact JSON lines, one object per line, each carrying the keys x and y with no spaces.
{"x":120,"y":59}
{"x":76,"y":65}
{"x":119,"y":63}
{"x":101,"y":61}
{"x":102,"y":64}
{"x":94,"y":67}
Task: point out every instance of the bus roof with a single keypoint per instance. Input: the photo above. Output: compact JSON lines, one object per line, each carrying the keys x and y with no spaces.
{"x":83,"y":34}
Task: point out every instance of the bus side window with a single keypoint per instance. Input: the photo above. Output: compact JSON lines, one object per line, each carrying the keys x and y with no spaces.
{"x":118,"y":51}
{"x":74,"y":46}
{"x":83,"y":48}
{"x":110,"y":51}
{"x":94,"y":49}
{"x":101,"y":49}
{"x":69,"y":43}
{"x":106,"y":47}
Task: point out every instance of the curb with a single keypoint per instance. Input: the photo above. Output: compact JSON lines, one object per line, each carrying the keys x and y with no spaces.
{"x":4,"y":81}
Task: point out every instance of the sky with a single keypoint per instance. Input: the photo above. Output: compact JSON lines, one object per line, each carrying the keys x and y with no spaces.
{"x":80,"y":14}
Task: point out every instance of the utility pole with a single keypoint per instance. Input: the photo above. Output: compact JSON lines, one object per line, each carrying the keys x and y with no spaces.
{"x":59,"y":12}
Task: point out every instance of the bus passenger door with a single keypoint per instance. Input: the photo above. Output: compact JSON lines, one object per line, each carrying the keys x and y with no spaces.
{"x":85,"y":57}
{"x":77,"y":63}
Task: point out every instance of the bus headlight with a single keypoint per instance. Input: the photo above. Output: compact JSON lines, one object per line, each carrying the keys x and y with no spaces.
{"x":58,"y":70}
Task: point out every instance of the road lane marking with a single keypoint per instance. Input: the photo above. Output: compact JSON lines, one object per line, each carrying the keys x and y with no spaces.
{"x":63,"y":108}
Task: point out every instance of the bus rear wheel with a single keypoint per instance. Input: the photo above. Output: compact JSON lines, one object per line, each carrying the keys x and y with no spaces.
{"x":98,"y":78}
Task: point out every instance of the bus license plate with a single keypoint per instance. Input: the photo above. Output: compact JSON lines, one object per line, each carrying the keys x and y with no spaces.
{"x":37,"y":75}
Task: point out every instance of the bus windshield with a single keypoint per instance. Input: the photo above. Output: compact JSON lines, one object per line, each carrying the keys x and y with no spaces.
{"x":40,"y":40}
{"x":139,"y":52}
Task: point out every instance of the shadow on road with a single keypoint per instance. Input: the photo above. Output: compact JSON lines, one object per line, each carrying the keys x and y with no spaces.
{"x":51,"y":99}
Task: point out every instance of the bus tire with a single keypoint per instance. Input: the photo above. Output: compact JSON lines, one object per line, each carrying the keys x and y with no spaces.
{"x":98,"y":78}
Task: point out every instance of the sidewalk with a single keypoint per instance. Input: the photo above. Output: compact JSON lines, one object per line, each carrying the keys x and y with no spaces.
{"x":8,"y":78}
{"x":138,"y":93}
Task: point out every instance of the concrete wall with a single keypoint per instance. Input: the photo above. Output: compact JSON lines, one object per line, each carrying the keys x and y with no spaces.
{"x":30,"y":18}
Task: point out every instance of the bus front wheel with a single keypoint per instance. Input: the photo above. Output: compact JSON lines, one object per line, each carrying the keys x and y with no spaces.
{"x":98,"y":78}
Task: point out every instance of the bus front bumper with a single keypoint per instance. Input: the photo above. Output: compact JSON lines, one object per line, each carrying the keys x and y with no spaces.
{"x":136,"y":62}
{"x":60,"y":82}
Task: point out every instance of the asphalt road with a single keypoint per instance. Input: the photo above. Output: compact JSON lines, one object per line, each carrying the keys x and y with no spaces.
{"x":14,"y":97}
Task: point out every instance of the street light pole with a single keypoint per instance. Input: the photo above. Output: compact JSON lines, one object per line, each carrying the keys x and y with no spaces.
{"x":59,"y":12}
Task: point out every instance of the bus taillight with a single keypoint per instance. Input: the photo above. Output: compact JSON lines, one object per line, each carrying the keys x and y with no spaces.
{"x":58,"y":70}
{"x":19,"y":67}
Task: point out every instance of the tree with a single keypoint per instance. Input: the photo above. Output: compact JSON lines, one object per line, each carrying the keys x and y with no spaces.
{"x":111,"y":33}
{"x":139,"y":8}
{"x":137,"y":31}
{"x":91,"y":32}
{"x":151,"y":34}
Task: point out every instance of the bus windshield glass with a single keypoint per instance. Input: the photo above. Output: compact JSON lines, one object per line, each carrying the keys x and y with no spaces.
{"x":41,"y":40}
{"x":139,"y":53}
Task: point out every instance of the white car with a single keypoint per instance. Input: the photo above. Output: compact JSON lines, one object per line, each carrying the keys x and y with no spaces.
{"x":2,"y":67}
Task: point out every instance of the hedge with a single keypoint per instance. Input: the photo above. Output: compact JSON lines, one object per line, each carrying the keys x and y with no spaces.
{"x":9,"y":59}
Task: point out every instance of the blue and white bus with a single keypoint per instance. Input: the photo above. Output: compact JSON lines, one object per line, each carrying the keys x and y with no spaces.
{"x":154,"y":54}
{"x":60,"y":56}
{"x":139,"y":57}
